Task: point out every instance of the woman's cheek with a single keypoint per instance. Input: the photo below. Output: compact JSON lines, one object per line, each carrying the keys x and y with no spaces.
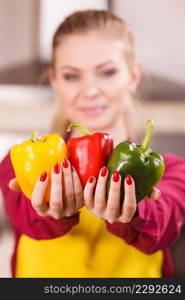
{"x":116,"y":94}
{"x":120,"y":90}
{"x":67,"y":95}
{"x":115,"y":86}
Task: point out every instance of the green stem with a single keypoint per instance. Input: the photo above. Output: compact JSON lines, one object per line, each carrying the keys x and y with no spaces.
{"x":147,"y":139}
{"x":82,"y":128}
{"x":34,"y":136}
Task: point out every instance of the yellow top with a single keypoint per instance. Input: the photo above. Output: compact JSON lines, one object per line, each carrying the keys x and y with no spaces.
{"x":87,"y":250}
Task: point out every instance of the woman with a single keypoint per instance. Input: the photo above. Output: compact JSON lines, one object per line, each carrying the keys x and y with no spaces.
{"x":81,"y":233}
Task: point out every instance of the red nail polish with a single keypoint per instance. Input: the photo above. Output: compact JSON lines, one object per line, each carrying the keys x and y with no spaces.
{"x":116,"y":176}
{"x":65,"y":163}
{"x":103,"y":171}
{"x":56,"y":168}
{"x":91,"y":179}
{"x":43,"y":176}
{"x":129,"y":180}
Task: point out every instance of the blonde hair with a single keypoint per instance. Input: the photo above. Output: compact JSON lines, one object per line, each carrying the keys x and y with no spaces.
{"x":83,"y":21}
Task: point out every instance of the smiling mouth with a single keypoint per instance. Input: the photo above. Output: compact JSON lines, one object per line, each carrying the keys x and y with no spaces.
{"x":94,"y":110}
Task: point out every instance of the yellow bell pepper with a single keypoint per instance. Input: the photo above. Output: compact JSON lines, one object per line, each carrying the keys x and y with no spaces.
{"x":34,"y":156}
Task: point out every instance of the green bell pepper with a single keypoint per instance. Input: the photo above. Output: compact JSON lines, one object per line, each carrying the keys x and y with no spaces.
{"x":145,"y":166}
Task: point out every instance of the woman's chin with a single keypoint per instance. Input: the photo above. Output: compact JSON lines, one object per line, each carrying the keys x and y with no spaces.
{"x":102,"y":121}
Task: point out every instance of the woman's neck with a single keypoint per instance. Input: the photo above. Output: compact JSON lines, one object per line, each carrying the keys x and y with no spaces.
{"x":117,"y":131}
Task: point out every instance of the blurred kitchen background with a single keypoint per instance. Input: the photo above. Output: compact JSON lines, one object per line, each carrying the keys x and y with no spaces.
{"x":27,"y":101}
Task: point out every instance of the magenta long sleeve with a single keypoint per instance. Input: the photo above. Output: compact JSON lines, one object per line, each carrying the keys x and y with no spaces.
{"x":22,"y":215}
{"x":159,"y":222}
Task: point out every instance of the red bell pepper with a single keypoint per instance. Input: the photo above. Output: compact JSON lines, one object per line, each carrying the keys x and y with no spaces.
{"x":89,"y":153}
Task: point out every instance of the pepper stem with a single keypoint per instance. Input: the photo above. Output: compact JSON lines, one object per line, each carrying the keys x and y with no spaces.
{"x":34,"y":136}
{"x":147,"y":139}
{"x":82,"y":128}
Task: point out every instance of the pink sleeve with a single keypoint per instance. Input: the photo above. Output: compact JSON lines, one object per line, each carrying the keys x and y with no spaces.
{"x":22,"y":215}
{"x":158,"y":222}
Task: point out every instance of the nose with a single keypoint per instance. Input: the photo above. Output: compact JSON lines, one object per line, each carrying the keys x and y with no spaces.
{"x":90,"y":88}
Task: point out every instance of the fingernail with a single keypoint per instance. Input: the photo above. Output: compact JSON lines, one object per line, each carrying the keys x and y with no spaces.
{"x":43,"y":176}
{"x":103,"y":171}
{"x":91,"y":179}
{"x":116,"y":176}
{"x":158,"y":193}
{"x":65,"y":163}
{"x":129,"y":180}
{"x":57,"y":168}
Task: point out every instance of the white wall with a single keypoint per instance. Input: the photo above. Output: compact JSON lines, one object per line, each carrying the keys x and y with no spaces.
{"x":159,"y":28}
{"x":52,"y":13}
{"x":18,"y":42}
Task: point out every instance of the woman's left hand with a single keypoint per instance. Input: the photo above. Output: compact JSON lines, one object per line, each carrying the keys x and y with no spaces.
{"x":110,"y":209}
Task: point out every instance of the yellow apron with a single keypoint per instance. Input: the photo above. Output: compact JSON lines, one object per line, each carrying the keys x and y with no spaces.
{"x":87,"y":250}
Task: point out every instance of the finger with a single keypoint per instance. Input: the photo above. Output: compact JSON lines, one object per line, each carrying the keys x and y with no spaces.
{"x":113,"y":204}
{"x":69,"y":195}
{"x":100,"y":192}
{"x":129,"y":204}
{"x":78,"y":190}
{"x":37,"y":198}
{"x":89,"y":192}
{"x":155,"y":194}
{"x":56,"y":202}
{"x":14,"y":186}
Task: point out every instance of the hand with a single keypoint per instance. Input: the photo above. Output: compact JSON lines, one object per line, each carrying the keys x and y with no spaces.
{"x":66,"y":196}
{"x":110,"y":209}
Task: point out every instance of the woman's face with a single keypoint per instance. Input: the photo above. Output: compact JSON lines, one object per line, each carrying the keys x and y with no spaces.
{"x":91,"y":78}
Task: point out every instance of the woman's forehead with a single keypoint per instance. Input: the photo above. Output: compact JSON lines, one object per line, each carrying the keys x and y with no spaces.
{"x":77,"y":49}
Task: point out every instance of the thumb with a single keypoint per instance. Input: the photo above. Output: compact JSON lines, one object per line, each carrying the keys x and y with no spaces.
{"x":155,"y":194}
{"x":14,"y":186}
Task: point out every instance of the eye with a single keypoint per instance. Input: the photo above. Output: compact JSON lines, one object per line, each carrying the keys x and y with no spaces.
{"x":109,"y":72}
{"x":71,"y":77}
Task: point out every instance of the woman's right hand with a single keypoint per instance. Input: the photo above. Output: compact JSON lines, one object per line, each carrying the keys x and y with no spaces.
{"x":66,"y":196}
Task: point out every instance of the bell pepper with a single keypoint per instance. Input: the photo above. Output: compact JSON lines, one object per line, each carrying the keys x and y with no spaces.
{"x":34,"y":156}
{"x":89,"y":153}
{"x":145,"y":166}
